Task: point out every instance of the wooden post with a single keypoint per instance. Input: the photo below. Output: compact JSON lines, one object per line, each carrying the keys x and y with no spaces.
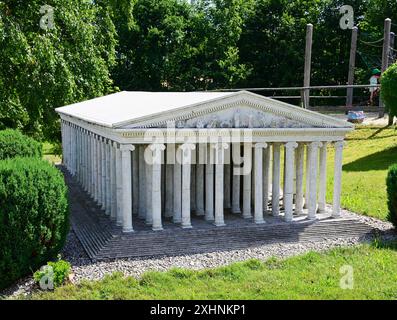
{"x":352,"y":65}
{"x":308,"y":62}
{"x":385,"y":59}
{"x":391,"y":55}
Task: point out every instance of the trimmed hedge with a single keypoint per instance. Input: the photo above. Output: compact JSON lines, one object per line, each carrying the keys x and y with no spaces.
{"x":391,"y":183}
{"x":14,"y":144}
{"x":33,"y":216}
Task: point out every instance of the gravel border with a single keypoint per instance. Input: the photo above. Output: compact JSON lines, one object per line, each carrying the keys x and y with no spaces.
{"x":84,"y":268}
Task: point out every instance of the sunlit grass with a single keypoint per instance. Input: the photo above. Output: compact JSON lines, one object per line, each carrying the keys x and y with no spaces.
{"x":309,"y":276}
{"x":368,"y":154}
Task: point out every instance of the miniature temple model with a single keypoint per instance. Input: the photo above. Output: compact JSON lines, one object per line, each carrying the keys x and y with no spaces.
{"x":155,"y":156}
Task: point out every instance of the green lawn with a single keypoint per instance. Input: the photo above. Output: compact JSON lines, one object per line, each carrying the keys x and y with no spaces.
{"x":309,"y":276}
{"x":50,"y":153}
{"x":368,"y":154}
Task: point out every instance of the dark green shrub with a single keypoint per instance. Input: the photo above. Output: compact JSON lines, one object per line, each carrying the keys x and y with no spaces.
{"x":391,"y":183}
{"x":33,"y":216}
{"x":389,"y":90}
{"x":53,"y":274}
{"x":14,"y":144}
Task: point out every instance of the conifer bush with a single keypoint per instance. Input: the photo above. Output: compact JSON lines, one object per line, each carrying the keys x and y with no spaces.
{"x":14,"y":144}
{"x":33,"y":216}
{"x":391,"y":183}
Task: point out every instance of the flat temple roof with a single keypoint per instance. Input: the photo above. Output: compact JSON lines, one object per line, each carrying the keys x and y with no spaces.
{"x":124,"y":106}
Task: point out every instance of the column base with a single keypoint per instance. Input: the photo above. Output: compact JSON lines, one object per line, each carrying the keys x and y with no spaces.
{"x":219,"y":224}
{"x":288,"y":219}
{"x":260,"y":222}
{"x":247,"y":216}
{"x":321,"y":211}
{"x":129,"y":230}
{"x":187,"y":226}
{"x":336,"y":216}
{"x":157,"y":229}
{"x":312,"y":218}
{"x":236,"y":211}
{"x":119,"y":224}
{"x":209,"y":218}
{"x":177,"y":221}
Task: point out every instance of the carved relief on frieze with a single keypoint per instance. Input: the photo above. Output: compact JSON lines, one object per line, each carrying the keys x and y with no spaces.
{"x":240,"y":118}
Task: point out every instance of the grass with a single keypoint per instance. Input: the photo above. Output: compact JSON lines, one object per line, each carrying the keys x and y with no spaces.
{"x":51,"y":153}
{"x":309,"y":276}
{"x":367,"y":156}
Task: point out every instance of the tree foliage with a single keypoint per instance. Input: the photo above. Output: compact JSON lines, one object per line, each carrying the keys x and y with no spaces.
{"x":389,"y":89}
{"x":165,"y":45}
{"x":43,"y":69}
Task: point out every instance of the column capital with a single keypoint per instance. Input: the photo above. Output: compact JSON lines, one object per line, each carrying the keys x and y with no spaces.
{"x":261,"y":145}
{"x":316,"y":144}
{"x":127,"y":147}
{"x":339,"y":144}
{"x":220,"y":145}
{"x":157,"y":147}
{"x":115,"y":144}
{"x":291,"y":145}
{"x":187,"y":147}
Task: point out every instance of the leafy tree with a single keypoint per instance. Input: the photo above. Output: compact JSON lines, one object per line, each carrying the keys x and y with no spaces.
{"x":41,"y":69}
{"x":172,"y":45}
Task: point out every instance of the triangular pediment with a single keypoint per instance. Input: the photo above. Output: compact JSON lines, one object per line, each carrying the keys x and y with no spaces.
{"x":240,"y":110}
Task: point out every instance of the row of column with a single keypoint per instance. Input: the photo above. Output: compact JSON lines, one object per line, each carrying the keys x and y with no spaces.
{"x":125,"y":179}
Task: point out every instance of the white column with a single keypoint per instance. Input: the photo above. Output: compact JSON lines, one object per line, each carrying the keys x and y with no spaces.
{"x":103,"y":172}
{"x":300,"y":157}
{"x":337,"y":178}
{"x":157,"y":150}
{"x":308,"y":165}
{"x":127,"y":187}
{"x":236,"y":158}
{"x":135,"y":183}
{"x":200,"y":210}
{"x":96,"y":168}
{"x":113,"y":184}
{"x":276,"y":180}
{"x":92,"y":160}
{"x":323,"y":178}
{"x":228,"y":180}
{"x":142,"y":183}
{"x":177,"y":217}
{"x":119,"y":186}
{"x":289,"y":180}
{"x":169,"y":180}
{"x":258,"y":177}
{"x":219,"y":183}
{"x":313,"y":156}
{"x":247,"y":183}
{"x":209,"y":185}
{"x":108,"y":183}
{"x":148,"y":174}
{"x":186,"y":150}
{"x":266,"y":178}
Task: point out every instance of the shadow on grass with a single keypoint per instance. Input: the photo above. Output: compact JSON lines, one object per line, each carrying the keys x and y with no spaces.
{"x":391,"y":245}
{"x":374,"y":135}
{"x":381,"y":160}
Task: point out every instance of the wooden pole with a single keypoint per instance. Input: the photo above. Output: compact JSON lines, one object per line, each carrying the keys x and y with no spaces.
{"x":308,"y":62}
{"x":385,"y":59}
{"x":391,"y":55}
{"x":352,"y":65}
